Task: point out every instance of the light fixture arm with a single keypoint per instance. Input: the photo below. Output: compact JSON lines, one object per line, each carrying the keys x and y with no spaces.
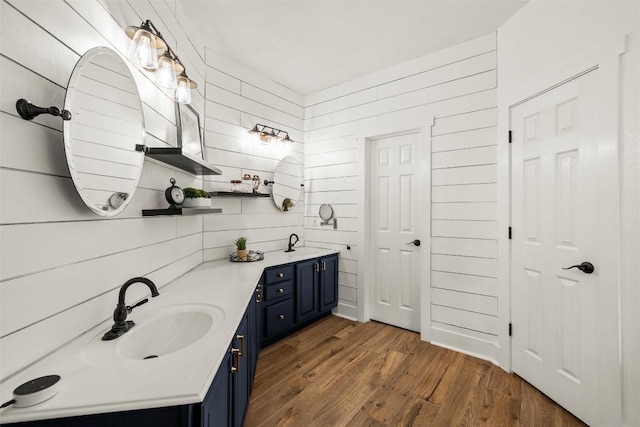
{"x":268,"y":131}
{"x":149,"y":26}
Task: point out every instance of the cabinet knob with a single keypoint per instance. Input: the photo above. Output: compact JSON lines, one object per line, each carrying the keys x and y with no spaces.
{"x":280,"y":291}
{"x":281,"y":317}
{"x":281,"y":275}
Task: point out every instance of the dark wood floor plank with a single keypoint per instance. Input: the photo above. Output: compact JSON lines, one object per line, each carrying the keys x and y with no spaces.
{"x":414,"y":368}
{"x":460,"y":392}
{"x":342,"y":373}
{"x":363,"y":419}
{"x":416,"y":413}
{"x":277,"y":396}
{"x":384,"y":404}
{"x":538,"y":410}
{"x":501,"y":403}
{"x":433,"y":382}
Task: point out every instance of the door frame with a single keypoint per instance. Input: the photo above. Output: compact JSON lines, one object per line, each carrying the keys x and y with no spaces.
{"x":365,"y":266}
{"x":606,"y":59}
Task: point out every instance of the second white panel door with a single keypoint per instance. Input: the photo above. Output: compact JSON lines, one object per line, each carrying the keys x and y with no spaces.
{"x":395,"y":220}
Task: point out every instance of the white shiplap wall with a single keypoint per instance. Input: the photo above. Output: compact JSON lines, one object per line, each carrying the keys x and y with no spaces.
{"x":60,"y":265}
{"x":457,"y":86}
{"x":236,"y":99}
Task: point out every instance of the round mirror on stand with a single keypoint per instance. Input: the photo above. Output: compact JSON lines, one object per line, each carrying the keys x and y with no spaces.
{"x":106,"y":124}
{"x":326,"y":215}
{"x":287,"y":183}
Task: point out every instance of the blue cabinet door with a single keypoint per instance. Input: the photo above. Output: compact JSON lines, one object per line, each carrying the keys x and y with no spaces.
{"x":216,"y":407}
{"x":306,"y":290}
{"x":328,"y":282}
{"x":255,"y":332}
{"x":240,"y":371}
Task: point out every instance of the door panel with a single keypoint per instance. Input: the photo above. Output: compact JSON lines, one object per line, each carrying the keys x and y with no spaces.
{"x":395,"y":215}
{"x":555,"y":217}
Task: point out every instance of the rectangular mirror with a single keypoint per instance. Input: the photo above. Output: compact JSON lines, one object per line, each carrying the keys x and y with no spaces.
{"x":189,"y":132}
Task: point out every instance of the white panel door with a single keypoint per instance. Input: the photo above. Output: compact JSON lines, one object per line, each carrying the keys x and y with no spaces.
{"x":558,"y":314}
{"x":395,"y":218}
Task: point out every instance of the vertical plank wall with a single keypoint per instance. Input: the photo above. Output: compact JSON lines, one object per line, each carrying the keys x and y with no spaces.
{"x":458,"y":87}
{"x":61,"y":265}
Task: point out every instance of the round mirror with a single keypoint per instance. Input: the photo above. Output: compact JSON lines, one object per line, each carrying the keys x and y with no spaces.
{"x":106,"y":124}
{"x":325,"y":212}
{"x":287,"y":183}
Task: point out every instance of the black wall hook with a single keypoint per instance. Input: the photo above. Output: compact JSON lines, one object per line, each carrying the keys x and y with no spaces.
{"x":28,"y":110}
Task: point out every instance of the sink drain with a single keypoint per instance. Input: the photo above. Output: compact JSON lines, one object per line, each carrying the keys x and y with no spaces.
{"x":151,"y":356}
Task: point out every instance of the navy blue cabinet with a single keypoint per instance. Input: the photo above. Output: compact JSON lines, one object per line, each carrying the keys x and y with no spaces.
{"x":307,"y":302}
{"x":215,"y":410}
{"x":297,"y":294}
{"x":328,"y":282}
{"x":255,"y":322}
{"x":240,"y":370}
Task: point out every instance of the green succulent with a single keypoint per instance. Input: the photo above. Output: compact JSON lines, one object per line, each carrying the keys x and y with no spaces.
{"x":195,"y":193}
{"x":241,"y":243}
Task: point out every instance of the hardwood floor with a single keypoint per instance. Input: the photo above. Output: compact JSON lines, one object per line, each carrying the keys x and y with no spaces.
{"x":342,"y":373}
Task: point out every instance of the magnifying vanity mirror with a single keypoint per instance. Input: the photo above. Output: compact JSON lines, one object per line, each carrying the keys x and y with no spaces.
{"x":287,"y":183}
{"x":106,"y":124}
{"x":326,"y":215}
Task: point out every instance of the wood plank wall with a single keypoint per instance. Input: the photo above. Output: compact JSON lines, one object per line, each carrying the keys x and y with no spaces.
{"x":236,"y":99}
{"x":458,"y":87}
{"x":61,"y":265}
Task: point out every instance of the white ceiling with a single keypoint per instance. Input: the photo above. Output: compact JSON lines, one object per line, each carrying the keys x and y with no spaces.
{"x":309,"y":45}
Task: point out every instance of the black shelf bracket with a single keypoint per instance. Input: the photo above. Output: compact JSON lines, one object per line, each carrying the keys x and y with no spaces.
{"x":29,"y":111}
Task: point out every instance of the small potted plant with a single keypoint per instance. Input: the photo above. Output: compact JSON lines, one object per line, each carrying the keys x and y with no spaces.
{"x":241,"y":248}
{"x":195,"y":198}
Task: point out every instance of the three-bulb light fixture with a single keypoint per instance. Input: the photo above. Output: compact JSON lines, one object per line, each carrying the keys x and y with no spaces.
{"x":168,"y":71}
{"x":267,"y":133}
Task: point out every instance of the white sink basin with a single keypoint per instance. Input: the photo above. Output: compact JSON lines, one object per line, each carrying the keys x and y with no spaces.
{"x":157,"y":333}
{"x":303,"y":252}
{"x":165,"y":334}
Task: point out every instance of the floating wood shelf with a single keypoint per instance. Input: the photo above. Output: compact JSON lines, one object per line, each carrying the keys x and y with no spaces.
{"x":176,"y":157}
{"x":180,"y":211}
{"x":237,"y":194}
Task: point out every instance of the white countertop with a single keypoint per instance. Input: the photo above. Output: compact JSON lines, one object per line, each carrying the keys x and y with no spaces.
{"x":95,"y":379}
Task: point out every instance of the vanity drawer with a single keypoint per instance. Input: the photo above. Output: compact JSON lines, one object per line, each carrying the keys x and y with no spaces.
{"x":278,"y":317}
{"x":278,"y":274}
{"x":278,"y":290}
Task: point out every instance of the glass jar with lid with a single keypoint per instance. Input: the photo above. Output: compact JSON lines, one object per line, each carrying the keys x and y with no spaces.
{"x":256,"y":183}
{"x":236,"y":185}
{"x":247,"y":184}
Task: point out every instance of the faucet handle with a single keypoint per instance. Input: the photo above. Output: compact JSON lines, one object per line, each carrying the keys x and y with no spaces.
{"x":130,"y":308}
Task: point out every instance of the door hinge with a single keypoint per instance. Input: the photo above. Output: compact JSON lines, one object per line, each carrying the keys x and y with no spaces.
{"x":510,"y":329}
{"x":509,"y":233}
{"x":510,"y":137}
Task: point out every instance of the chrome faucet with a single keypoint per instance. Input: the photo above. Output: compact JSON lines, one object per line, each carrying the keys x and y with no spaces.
{"x":121,"y":325}
{"x":290,"y":245}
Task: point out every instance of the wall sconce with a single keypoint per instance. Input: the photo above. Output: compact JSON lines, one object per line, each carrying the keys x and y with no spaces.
{"x":266,"y":133}
{"x":168,"y":70}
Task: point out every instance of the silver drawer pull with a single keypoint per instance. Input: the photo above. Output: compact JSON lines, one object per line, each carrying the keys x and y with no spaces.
{"x":280,"y":291}
{"x":281,"y":317}
{"x":281,"y":275}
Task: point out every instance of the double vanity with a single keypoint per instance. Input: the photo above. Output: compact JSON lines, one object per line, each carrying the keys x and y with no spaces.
{"x":191,"y":358}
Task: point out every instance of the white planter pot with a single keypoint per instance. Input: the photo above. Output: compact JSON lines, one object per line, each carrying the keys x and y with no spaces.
{"x":199,"y":202}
